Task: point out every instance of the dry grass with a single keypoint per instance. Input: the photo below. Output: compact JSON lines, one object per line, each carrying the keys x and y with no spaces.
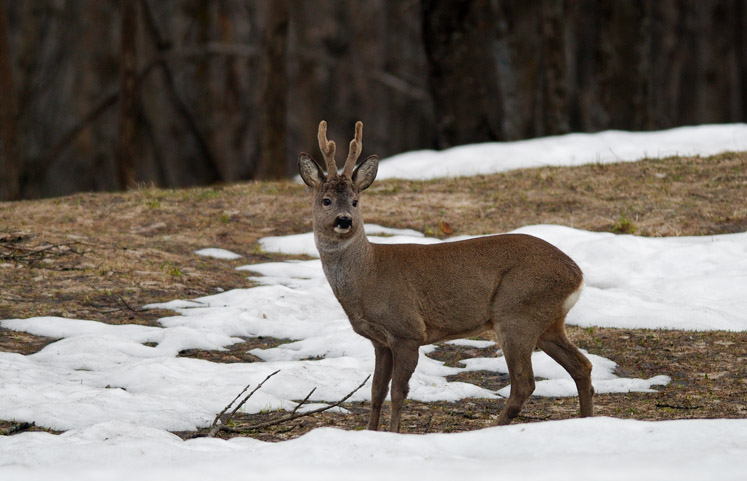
{"x":102,"y":256}
{"x":656,"y":197}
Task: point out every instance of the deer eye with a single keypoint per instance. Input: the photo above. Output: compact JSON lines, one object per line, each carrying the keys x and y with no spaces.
{"x":326,"y":202}
{"x":355,"y":203}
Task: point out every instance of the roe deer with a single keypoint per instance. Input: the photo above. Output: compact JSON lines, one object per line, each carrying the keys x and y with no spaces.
{"x":403,"y":296}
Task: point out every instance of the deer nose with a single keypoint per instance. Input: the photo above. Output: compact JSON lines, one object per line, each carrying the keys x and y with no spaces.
{"x":343,"y":222}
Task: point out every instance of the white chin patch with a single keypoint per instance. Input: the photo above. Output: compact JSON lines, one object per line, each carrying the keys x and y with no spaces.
{"x":341,"y":230}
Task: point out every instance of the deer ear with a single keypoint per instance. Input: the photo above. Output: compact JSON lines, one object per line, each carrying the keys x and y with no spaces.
{"x":365,"y":173}
{"x":310,"y":171}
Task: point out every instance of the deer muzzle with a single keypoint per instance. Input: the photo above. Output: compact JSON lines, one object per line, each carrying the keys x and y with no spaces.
{"x":343,"y":224}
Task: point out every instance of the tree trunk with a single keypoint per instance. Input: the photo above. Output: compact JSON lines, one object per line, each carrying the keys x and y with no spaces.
{"x":204,"y":167}
{"x":643,"y":100}
{"x":127,"y":104}
{"x":459,"y":37}
{"x":10,"y":156}
{"x":740,"y":94}
{"x":273,"y":103}
{"x":555,"y":112}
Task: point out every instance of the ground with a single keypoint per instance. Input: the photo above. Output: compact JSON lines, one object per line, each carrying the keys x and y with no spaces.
{"x":104,"y":256}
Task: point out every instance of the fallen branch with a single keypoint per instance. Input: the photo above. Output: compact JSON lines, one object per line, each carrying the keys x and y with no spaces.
{"x":215,"y":427}
{"x":675,"y":406}
{"x":22,"y":254}
{"x":293,"y":415}
{"x":129,"y":307}
{"x":303,"y":401}
{"x":290,"y":417}
{"x":427,"y":428}
{"x":527,"y":417}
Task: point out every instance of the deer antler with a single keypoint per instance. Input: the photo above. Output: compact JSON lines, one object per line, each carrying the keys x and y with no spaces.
{"x":356,"y":145}
{"x":328,"y":150}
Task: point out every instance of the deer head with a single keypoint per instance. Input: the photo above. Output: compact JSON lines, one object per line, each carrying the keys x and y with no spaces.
{"x":336,"y":213}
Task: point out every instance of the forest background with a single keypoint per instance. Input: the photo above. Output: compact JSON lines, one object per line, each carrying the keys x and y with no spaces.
{"x":100,"y":95}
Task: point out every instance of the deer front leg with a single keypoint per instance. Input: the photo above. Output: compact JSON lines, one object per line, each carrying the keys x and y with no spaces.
{"x":405,"y":358}
{"x":380,"y":385}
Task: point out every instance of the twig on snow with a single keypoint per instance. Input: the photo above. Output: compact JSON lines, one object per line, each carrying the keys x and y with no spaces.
{"x":303,"y":401}
{"x":292,"y":416}
{"x":215,"y":427}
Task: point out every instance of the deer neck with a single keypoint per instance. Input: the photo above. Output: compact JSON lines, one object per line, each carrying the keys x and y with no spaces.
{"x":344,"y":263}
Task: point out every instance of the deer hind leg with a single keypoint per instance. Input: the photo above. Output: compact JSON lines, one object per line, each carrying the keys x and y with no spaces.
{"x":380,"y":385}
{"x":518,"y":354}
{"x":404,"y":360}
{"x":555,"y":343}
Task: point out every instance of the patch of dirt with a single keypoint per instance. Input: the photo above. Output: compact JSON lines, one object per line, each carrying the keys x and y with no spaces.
{"x":9,"y":428}
{"x":236,"y":352}
{"x":103,"y":256}
{"x":22,"y":342}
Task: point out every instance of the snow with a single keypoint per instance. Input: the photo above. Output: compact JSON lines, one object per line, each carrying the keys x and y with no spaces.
{"x":303,"y":244}
{"x":578,"y":449}
{"x":471,"y":343}
{"x":117,"y":390}
{"x":690,"y":283}
{"x":564,"y":150}
{"x":217,"y":253}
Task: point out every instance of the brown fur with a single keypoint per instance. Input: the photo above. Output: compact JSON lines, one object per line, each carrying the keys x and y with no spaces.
{"x":403,"y":296}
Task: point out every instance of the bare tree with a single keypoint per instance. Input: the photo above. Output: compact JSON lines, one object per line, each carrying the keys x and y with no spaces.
{"x":206,"y":164}
{"x":273,"y":102}
{"x":225,"y":90}
{"x":10,"y":156}
{"x":554,"y":83}
{"x":459,"y":37}
{"x":127,"y":86}
{"x":643,"y":101}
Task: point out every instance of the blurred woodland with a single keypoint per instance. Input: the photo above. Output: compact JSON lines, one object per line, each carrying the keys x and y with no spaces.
{"x":106,"y":94}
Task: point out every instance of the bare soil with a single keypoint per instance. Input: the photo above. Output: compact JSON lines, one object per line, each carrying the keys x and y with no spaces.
{"x":104,"y":256}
